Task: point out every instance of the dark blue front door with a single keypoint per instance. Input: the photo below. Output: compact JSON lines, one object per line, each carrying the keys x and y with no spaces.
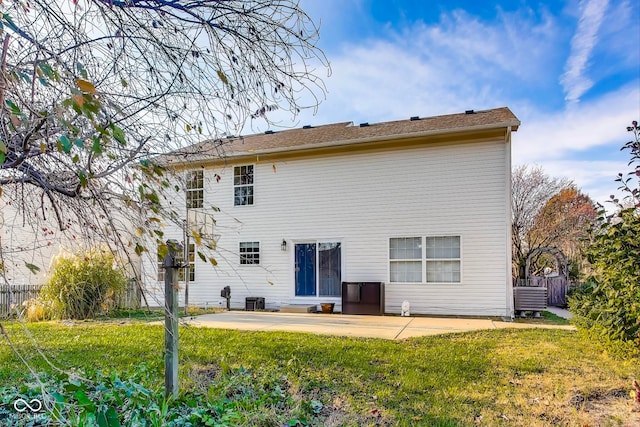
{"x":305,"y":269}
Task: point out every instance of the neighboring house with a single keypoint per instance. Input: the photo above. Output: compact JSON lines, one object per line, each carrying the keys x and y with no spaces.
{"x":29,"y":244}
{"x":422,"y":205}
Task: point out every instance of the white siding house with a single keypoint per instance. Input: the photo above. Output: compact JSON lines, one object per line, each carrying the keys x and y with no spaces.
{"x":29,"y":238}
{"x":422,"y":205}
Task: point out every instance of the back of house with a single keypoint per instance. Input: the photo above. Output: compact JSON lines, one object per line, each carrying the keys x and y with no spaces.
{"x":418,"y":207}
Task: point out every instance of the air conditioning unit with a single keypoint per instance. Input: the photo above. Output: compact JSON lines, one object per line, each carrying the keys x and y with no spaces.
{"x":530,"y":298}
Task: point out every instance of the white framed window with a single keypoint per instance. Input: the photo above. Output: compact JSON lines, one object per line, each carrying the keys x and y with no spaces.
{"x":243,"y":178}
{"x":194,"y":184}
{"x":160,"y":265}
{"x":180,"y":256}
{"x":430,"y":259}
{"x":405,"y":259}
{"x":443,"y":259}
{"x":249,"y":253}
{"x":192,"y":264}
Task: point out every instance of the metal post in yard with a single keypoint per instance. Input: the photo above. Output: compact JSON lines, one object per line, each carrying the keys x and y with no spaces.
{"x":187,"y":269}
{"x":171,"y":267}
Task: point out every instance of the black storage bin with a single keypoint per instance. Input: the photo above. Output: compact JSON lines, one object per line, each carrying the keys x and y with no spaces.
{"x":363,"y":298}
{"x":254,"y":303}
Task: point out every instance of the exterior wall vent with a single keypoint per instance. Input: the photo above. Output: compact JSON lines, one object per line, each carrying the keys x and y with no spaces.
{"x":469,"y":112}
{"x":364,"y":125}
{"x":414,"y":118}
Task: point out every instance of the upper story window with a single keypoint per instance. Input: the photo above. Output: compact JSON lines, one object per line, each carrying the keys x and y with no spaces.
{"x":195,"y":188}
{"x":243,"y":185}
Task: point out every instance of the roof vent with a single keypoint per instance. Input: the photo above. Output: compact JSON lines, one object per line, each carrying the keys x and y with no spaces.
{"x":364,"y":125}
{"x":307,"y":127}
{"x":469,"y":112}
{"x":268,"y":132}
{"x":414,"y":118}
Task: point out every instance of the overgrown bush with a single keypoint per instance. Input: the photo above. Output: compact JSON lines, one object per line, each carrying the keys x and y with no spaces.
{"x":82,"y":285}
{"x":234,"y":398}
{"x":35,"y":310}
{"x":608,"y":307}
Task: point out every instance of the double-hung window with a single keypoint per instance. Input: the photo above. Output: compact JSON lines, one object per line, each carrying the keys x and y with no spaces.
{"x":430,"y":259}
{"x":192,"y":264}
{"x":243,"y":185}
{"x":180,"y":258}
{"x":405,"y":259}
{"x":195,"y":188}
{"x":443,"y":259}
{"x":249,"y":253}
{"x":160,"y":265}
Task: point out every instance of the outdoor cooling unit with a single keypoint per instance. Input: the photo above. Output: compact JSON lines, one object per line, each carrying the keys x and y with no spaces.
{"x":254,"y":303}
{"x":530,"y":298}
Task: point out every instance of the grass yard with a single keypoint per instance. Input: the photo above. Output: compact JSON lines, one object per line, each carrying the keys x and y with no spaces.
{"x":510,"y":377}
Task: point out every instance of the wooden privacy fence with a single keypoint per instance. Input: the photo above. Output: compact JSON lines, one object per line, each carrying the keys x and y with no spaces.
{"x":13,"y":296}
{"x":131,"y":296}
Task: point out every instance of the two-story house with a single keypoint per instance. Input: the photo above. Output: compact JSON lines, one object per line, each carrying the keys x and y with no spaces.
{"x":421,"y":204}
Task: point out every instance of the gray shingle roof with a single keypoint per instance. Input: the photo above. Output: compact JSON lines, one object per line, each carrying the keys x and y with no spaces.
{"x":341,"y":134}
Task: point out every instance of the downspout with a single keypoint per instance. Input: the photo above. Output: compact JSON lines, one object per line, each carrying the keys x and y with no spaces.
{"x":509,"y":282}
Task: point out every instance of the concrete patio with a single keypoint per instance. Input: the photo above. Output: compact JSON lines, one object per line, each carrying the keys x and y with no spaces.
{"x":387,"y":327}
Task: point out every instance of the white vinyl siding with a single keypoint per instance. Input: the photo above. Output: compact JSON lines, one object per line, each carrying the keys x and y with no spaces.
{"x":363,"y":199}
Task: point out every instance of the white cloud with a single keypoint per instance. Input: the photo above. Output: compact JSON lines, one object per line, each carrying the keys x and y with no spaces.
{"x":556,"y":140}
{"x":574,"y":80}
{"x":463,"y":62}
{"x":456,"y":64}
{"x":554,"y":135}
{"x":595,"y":178}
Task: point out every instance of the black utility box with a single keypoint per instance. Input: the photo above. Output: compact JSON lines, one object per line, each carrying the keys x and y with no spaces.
{"x":254,"y":303}
{"x":363,"y":298}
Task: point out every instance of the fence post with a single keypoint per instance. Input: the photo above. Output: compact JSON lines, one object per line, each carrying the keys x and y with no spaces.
{"x":171,"y":266}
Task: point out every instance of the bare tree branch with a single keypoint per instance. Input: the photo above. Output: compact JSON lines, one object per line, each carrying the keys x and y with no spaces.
{"x":91,"y":90}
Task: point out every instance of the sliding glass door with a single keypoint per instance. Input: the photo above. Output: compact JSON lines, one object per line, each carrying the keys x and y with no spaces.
{"x":318,"y":269}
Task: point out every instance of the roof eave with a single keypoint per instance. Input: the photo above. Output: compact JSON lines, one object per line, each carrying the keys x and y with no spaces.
{"x":511,"y":125}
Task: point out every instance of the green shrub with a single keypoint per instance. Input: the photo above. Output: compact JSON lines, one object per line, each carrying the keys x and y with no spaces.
{"x":83,"y":285}
{"x":608,"y":307}
{"x":237,"y":397}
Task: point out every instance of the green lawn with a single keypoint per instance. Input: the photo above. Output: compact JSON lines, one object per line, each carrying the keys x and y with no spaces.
{"x":498,"y":377}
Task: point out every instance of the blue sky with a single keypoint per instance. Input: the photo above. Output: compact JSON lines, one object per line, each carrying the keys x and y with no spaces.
{"x":570,"y":71}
